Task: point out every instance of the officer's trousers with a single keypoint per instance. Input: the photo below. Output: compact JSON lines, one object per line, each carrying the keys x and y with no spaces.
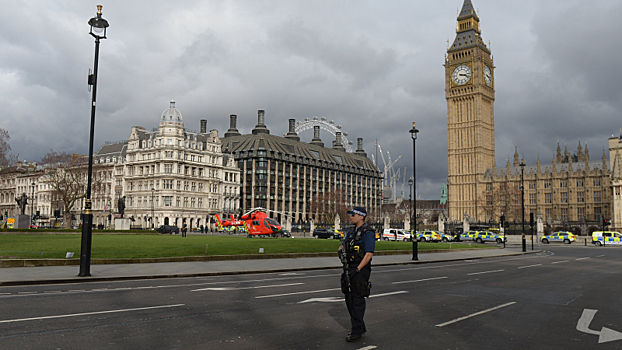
{"x":356,"y":305}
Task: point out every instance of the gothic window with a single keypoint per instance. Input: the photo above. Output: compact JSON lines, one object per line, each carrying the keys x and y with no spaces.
{"x":564,"y":197}
{"x":580,"y":197}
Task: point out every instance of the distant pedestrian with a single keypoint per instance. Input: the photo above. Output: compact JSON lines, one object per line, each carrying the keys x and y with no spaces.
{"x":357,"y":250}
{"x":184,"y":229}
{"x":202,"y":229}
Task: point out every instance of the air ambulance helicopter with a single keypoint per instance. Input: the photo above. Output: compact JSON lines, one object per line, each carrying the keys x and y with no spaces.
{"x":256,"y":223}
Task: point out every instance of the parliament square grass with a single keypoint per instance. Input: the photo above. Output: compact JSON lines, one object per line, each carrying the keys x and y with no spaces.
{"x":122,"y":246}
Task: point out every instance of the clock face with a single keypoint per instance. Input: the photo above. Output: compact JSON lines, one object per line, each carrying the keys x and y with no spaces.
{"x":461,"y":74}
{"x":487,"y":76}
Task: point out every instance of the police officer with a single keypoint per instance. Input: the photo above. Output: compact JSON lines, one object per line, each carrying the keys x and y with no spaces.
{"x":357,"y":249}
{"x":184,"y":229}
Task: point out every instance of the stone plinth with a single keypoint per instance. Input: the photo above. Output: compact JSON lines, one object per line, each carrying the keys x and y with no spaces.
{"x":122,"y":224}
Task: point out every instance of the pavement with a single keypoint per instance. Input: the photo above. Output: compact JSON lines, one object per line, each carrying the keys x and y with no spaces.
{"x":15,"y":276}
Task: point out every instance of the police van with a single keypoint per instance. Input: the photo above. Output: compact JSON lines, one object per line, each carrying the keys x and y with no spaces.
{"x":394,"y":234}
{"x":606,"y":237}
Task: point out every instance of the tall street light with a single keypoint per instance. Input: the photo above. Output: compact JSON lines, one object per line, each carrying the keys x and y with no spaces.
{"x":152,"y":223}
{"x":410,"y":202}
{"x":32,"y":206}
{"x":413,"y":135}
{"x":522,"y":198}
{"x":98,"y":31}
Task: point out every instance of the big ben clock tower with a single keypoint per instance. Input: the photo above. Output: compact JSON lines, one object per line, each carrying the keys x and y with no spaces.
{"x":470,"y":94}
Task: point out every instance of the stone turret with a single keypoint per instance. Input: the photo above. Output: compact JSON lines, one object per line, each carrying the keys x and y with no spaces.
{"x":359,"y":147}
{"x":337,"y":145}
{"x":291,"y":134}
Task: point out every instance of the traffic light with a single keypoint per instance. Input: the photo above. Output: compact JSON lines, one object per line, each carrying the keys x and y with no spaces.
{"x":531,"y":219}
{"x":502,"y":220}
{"x":606,"y":222}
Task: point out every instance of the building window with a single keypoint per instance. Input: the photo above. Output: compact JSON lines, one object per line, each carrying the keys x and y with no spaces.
{"x":597,"y":214}
{"x":168,"y":168}
{"x":596,"y":182}
{"x":597,"y":197}
{"x":549,"y":213}
{"x":564,"y":197}
{"x":547,"y":185}
{"x":563,"y":184}
{"x":547,"y":198}
{"x":564,"y":214}
{"x":532,"y":199}
{"x":579,"y":183}
{"x":580,"y":197}
{"x":168,"y":201}
{"x":581,"y":214}
{"x":532,"y":185}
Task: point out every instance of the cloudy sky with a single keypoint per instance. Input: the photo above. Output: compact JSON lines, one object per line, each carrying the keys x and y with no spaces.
{"x":372,"y":66}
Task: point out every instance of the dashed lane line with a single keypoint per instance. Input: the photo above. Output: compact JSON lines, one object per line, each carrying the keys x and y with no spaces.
{"x":583,"y":258}
{"x":422,"y":280}
{"x":89,"y":313}
{"x":479,"y":273}
{"x":559,"y":262}
{"x":296,"y":293}
{"x":242,"y":288}
{"x":474,"y":314}
{"x":524,"y":267}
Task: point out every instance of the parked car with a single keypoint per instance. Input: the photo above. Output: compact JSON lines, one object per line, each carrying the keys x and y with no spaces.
{"x":429,"y":236}
{"x":168,"y":229}
{"x":286,"y":233}
{"x":327,"y":233}
{"x":468,"y":236}
{"x":561,"y":236}
{"x":487,"y":236}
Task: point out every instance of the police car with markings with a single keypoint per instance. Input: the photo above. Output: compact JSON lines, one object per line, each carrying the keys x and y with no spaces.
{"x":559,"y":237}
{"x":429,"y":236}
{"x":395,"y":234}
{"x":468,"y":236}
{"x":487,"y":236}
{"x":606,"y":237}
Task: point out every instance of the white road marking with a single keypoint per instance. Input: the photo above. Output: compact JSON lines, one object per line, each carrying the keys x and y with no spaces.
{"x":241,"y":288}
{"x":305,"y":292}
{"x":524,"y":267}
{"x":583,"y":258}
{"x":5,"y":293}
{"x":386,"y":294}
{"x":370,"y":347}
{"x":559,"y":262}
{"x":599,"y":256}
{"x":90,"y":313}
{"x":423,"y":280}
{"x":22,"y":293}
{"x":605,"y":334}
{"x":474,"y":314}
{"x":479,"y":273}
{"x":322,"y":300}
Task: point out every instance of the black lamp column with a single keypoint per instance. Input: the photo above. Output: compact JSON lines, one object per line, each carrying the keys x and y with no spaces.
{"x":32,"y":206}
{"x":413,"y":135}
{"x":98,"y":31}
{"x":522,"y":199}
{"x":152,"y":204}
{"x":410,"y":203}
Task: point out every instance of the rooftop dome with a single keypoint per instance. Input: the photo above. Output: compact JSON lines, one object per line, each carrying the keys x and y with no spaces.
{"x":172,"y":114}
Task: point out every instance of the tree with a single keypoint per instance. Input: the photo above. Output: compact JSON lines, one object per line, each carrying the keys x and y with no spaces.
{"x":326,"y":206}
{"x":502,"y":199}
{"x":66,"y":175}
{"x":6,"y":158}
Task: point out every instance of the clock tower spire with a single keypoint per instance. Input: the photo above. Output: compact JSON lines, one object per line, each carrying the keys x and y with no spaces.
{"x":470,"y":95}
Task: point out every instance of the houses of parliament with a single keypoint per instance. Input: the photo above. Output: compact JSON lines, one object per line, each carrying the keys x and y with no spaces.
{"x":571,"y":189}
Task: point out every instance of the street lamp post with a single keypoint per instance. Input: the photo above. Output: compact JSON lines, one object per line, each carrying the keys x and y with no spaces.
{"x":410,"y":202}
{"x":413,"y":135}
{"x":32,"y":206}
{"x":522,"y":199}
{"x":98,"y":31}
{"x":152,"y":203}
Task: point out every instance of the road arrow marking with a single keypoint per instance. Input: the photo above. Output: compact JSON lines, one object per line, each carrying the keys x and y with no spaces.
{"x":605,"y":335}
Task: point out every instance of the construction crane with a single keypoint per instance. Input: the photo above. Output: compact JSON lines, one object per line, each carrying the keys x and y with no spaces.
{"x":390,"y":176}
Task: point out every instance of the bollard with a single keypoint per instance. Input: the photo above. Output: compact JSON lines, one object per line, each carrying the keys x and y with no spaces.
{"x":206,"y":249}
{"x":585,"y":242}
{"x":524,"y":244}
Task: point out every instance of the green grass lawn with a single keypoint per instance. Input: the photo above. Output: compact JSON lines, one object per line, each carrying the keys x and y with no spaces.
{"x":156,"y":246}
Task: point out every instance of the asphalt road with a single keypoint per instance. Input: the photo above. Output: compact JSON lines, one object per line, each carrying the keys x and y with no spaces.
{"x":565,"y":298}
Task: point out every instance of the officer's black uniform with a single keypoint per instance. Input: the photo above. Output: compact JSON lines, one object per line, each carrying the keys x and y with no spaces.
{"x":359,"y":286}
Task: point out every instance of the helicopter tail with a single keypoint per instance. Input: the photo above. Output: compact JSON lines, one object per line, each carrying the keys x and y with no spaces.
{"x":220,"y":227}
